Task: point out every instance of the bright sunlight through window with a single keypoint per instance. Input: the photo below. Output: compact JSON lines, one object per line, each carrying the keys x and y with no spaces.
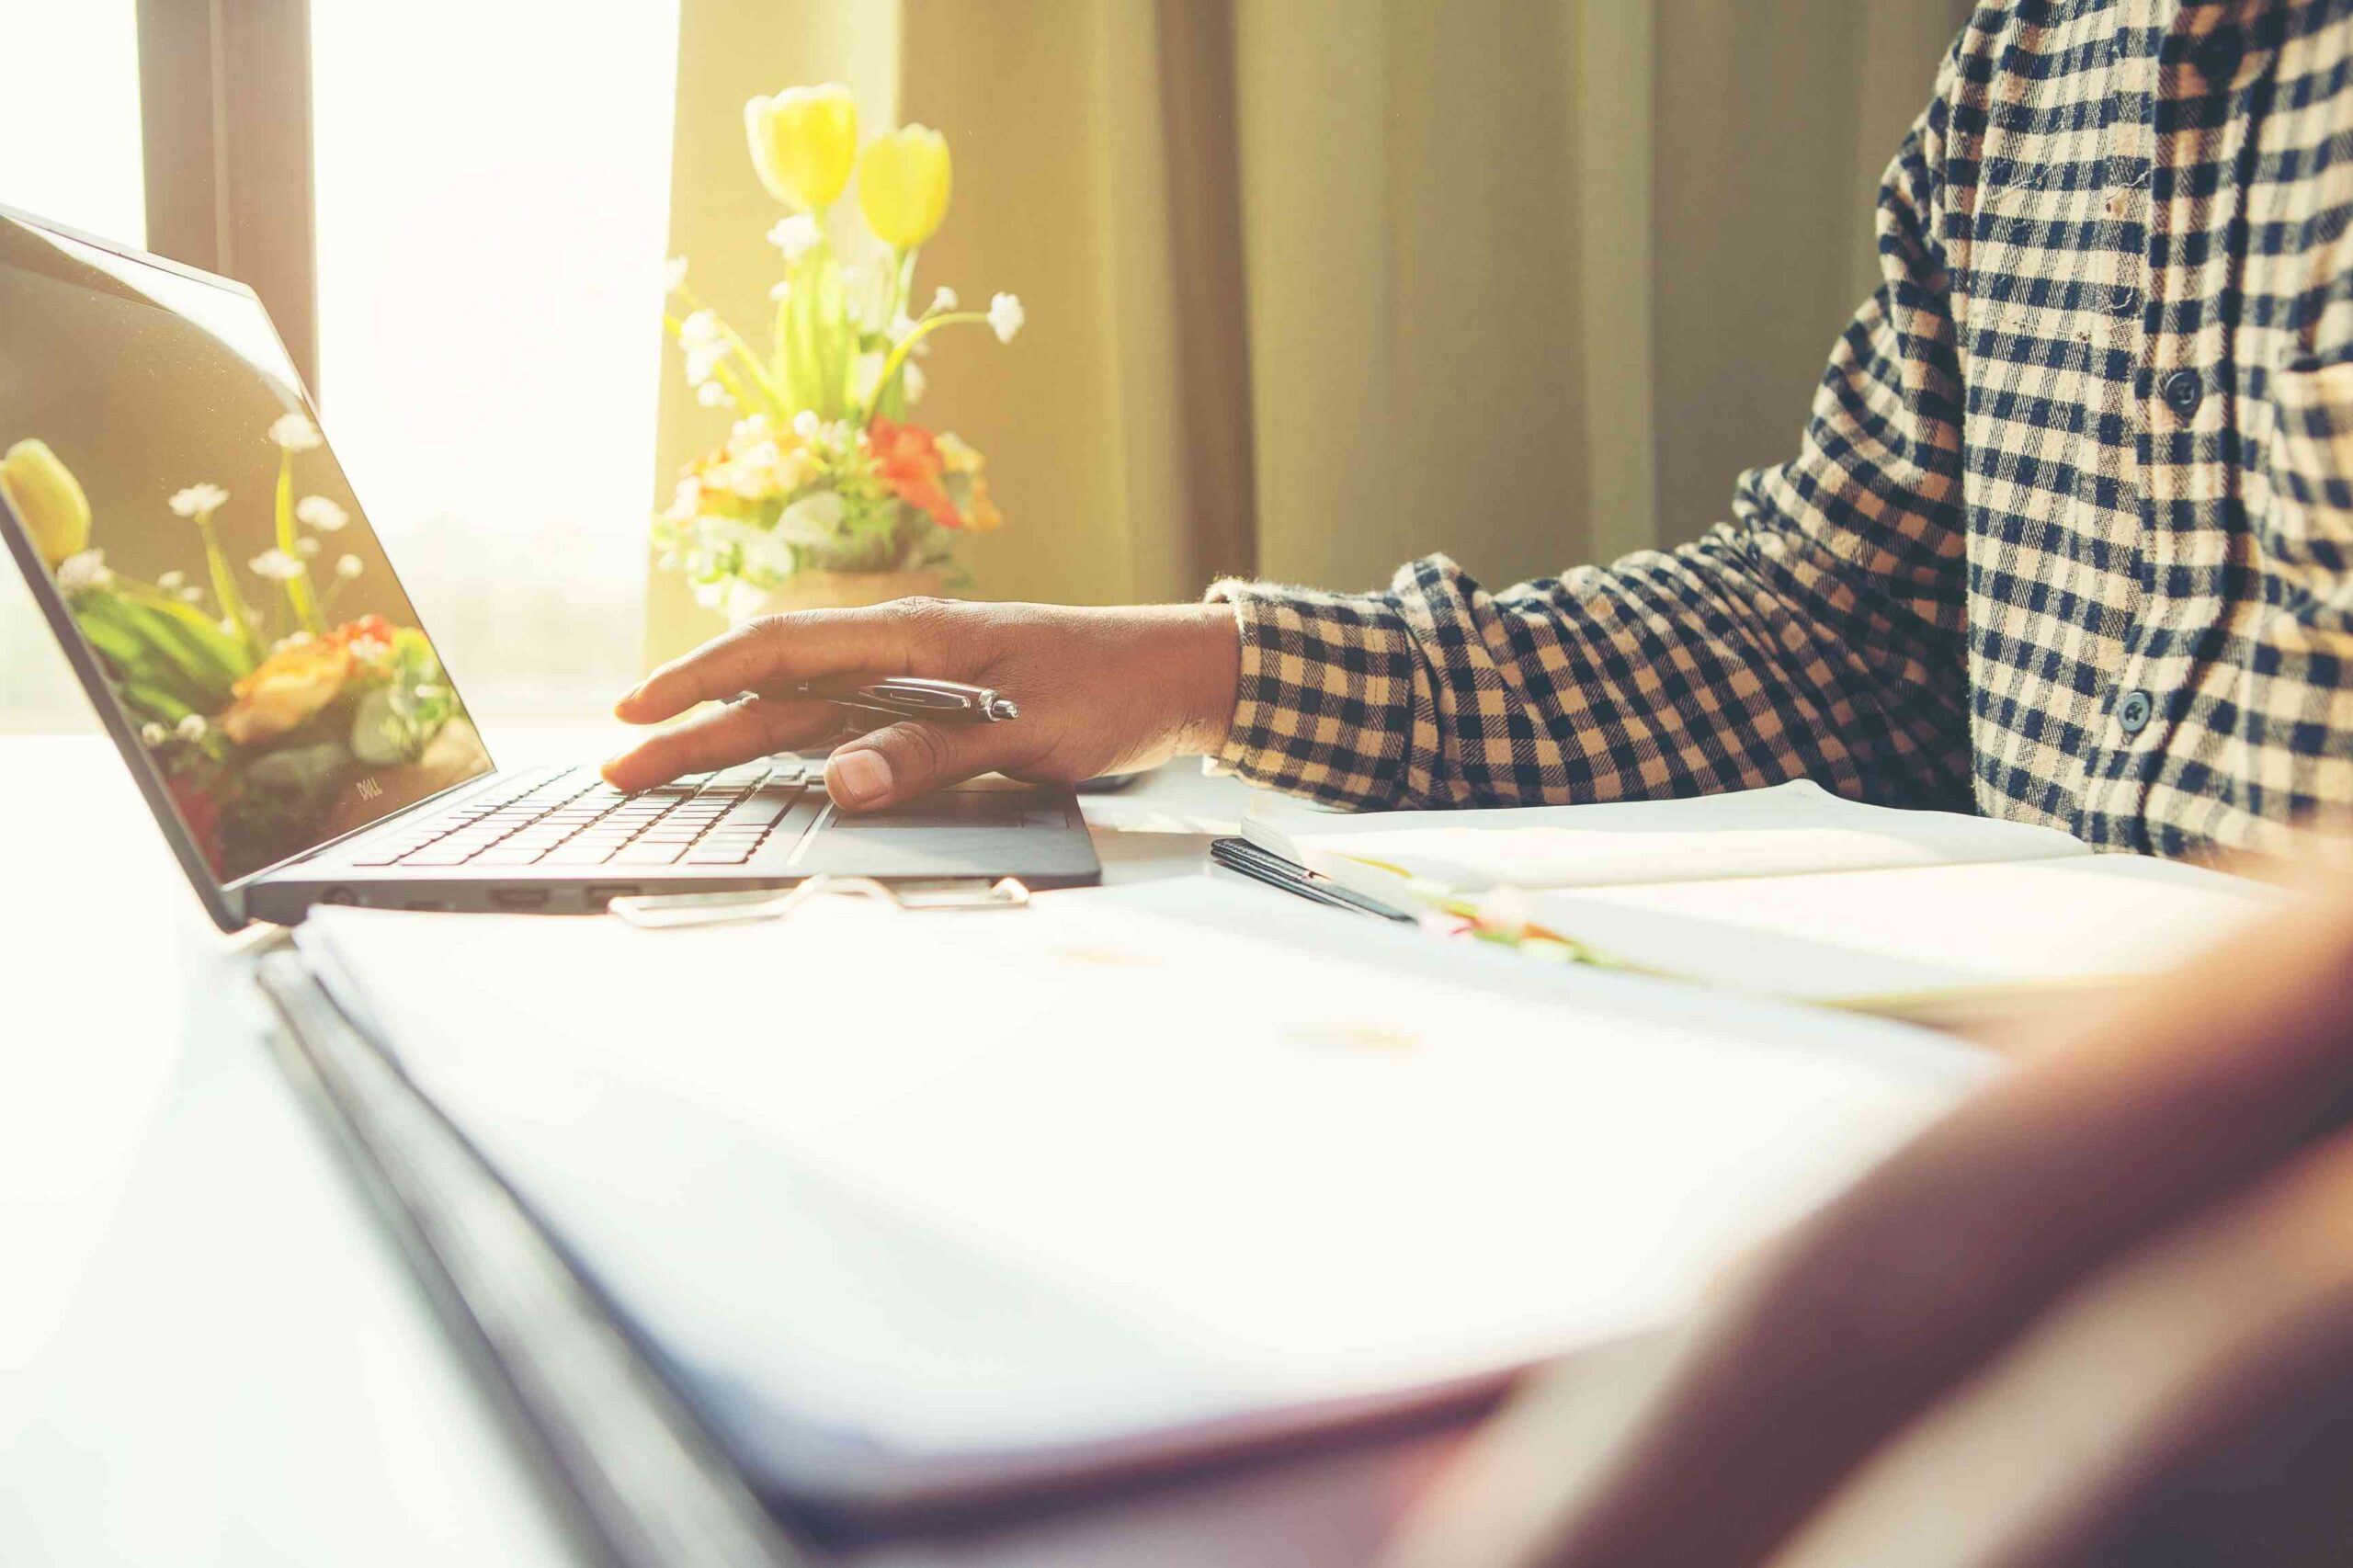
{"x":69,"y":125}
{"x":491,"y":223}
{"x":69,"y":150}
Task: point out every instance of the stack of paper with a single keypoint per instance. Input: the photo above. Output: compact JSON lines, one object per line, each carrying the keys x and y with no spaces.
{"x":916,"y":1203}
{"x":1792,"y":891}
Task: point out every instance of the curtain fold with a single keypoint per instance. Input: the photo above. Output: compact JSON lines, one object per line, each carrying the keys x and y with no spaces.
{"x":1315,"y":285}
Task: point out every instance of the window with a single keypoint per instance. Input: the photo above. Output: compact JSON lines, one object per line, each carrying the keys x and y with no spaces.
{"x":69,"y":150}
{"x":489,"y":327}
{"x":69,"y":121}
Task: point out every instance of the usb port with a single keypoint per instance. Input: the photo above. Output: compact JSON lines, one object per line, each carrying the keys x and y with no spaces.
{"x":600,"y":895}
{"x":519,"y":898}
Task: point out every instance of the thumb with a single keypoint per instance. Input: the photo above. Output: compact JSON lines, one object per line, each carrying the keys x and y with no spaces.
{"x":901,"y":761}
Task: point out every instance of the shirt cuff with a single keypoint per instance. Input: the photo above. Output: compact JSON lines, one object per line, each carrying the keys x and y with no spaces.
{"x":1329,"y":697}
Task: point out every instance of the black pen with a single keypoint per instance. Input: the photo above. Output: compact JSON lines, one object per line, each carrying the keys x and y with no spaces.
{"x":914,"y":696}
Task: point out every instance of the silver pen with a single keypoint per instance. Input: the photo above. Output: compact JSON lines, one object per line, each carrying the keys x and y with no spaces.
{"x":914,"y":696}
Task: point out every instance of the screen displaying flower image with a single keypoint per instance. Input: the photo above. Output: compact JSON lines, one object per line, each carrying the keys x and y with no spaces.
{"x":158,"y":457}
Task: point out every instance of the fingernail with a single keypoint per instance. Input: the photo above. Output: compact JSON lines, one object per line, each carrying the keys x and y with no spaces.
{"x":626,"y":698}
{"x":858,"y":775}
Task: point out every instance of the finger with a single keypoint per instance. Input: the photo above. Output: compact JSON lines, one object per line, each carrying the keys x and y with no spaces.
{"x":901,"y":761}
{"x":1938,"y":1255}
{"x":762,"y":654}
{"x":720,"y":738}
{"x":2200,"y":1391}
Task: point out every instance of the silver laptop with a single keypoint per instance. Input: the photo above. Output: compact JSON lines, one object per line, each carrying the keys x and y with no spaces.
{"x":214,"y":583}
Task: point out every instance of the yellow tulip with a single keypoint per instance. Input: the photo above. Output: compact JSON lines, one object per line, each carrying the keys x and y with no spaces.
{"x":803,"y":141}
{"x":903,"y":182}
{"x":47,"y":499}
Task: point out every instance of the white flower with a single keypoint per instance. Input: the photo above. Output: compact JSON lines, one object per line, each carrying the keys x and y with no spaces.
{"x":191,"y":596}
{"x":80,"y":573}
{"x":306,"y":547}
{"x":276,"y":565}
{"x":795,"y":236}
{"x":751,"y":431}
{"x":805,"y":425}
{"x":812,"y":520}
{"x":347,"y":567}
{"x":191,"y":727}
{"x":294,"y":433}
{"x":710,"y":596}
{"x":673,"y":275}
{"x":780,"y":292}
{"x":902,"y":324}
{"x":293,"y":640}
{"x":702,"y":365}
{"x":711,"y":395}
{"x":701,"y":330}
{"x":172,"y":581}
{"x":943,"y":297}
{"x":199,"y":500}
{"x":153,"y":734}
{"x":318,"y":512}
{"x":914,"y":380}
{"x":1005,"y":317}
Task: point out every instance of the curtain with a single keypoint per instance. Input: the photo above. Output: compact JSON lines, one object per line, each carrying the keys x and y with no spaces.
{"x":1316,"y":286}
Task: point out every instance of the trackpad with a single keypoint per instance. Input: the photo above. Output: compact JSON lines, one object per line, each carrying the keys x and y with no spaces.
{"x":956,"y":809}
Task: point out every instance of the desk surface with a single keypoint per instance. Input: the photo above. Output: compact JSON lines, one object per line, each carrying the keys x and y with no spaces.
{"x":210,"y":1352}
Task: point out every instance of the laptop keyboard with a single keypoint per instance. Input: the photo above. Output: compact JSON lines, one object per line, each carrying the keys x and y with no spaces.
{"x":577,"y":819}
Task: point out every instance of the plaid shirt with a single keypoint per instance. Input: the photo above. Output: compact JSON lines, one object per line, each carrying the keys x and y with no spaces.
{"x":2068,"y":535}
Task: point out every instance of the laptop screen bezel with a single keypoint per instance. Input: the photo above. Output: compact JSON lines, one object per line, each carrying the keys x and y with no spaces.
{"x":221,"y":899}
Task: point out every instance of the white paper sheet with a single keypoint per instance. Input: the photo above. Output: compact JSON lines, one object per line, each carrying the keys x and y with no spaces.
{"x":1130,"y":1160}
{"x":1870,"y":935}
{"x":1790,"y":828}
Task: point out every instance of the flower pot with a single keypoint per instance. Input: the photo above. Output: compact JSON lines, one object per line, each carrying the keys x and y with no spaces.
{"x":835,"y":590}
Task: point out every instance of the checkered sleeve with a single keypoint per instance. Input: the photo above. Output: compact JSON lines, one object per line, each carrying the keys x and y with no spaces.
{"x":1817,"y":633}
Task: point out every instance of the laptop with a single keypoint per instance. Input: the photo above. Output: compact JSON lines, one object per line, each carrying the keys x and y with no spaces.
{"x":191,"y":538}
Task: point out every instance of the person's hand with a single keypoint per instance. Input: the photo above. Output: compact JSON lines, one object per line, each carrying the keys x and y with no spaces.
{"x":1100,"y":691}
{"x":2101,"y":1314}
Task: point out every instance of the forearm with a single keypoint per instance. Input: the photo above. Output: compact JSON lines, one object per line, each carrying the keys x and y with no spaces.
{"x":1725,"y":664}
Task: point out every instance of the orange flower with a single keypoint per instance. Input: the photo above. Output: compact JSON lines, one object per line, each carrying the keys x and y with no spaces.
{"x":286,"y":688}
{"x":908,"y":460}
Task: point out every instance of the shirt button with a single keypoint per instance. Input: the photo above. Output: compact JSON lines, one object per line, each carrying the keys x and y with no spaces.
{"x":2183,"y":391}
{"x":2218,"y":55}
{"x":2134,"y":713}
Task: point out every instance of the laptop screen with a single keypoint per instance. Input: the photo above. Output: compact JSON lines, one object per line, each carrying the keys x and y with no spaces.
{"x":161,"y":461}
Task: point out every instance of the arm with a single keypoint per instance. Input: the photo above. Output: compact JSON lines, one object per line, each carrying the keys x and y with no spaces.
{"x":1818,"y":634}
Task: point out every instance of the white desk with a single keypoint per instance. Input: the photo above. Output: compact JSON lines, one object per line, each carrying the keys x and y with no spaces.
{"x":210,"y":1353}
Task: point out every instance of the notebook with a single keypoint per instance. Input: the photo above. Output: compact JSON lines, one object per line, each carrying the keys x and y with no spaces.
{"x":915,"y":1209}
{"x":1795,"y":893}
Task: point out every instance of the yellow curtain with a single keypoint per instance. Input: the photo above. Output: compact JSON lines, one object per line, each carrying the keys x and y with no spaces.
{"x":1315,"y":286}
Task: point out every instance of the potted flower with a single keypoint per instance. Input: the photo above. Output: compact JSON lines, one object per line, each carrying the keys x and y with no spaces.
{"x":827,"y":492}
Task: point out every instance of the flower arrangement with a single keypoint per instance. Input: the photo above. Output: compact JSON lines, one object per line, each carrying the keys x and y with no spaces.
{"x":824,"y":470}
{"x":263,"y":720}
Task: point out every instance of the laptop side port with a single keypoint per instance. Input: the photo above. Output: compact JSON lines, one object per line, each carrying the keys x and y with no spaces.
{"x":602,"y":893}
{"x":519,"y":898}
